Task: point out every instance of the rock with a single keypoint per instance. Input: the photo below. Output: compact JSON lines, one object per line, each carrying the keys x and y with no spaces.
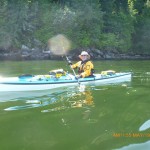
{"x":46,"y":52}
{"x":24,"y":48}
{"x":37,"y":43}
{"x":36,"y":53}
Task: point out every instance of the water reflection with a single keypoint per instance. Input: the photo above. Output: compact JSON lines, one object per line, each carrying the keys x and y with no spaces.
{"x":76,"y":97}
{"x":142,"y":78}
{"x":62,"y":99}
{"x":86,"y":100}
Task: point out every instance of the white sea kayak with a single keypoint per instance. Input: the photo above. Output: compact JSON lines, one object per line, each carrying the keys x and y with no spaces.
{"x":45,"y":82}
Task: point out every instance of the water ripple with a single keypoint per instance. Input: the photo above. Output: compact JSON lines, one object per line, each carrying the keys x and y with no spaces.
{"x":71,"y":97}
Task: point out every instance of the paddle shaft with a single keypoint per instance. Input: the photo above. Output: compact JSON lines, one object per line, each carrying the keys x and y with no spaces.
{"x":73,"y":71}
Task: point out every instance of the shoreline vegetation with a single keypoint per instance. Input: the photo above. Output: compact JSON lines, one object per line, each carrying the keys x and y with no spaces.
{"x":108,"y":30}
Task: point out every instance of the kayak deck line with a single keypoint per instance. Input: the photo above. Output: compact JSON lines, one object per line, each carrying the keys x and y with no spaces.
{"x":63,"y":82}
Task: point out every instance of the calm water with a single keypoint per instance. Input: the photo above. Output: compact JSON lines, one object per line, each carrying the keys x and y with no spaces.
{"x":94,"y":118}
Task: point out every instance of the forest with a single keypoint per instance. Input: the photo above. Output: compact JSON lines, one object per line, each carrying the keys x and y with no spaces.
{"x":113,"y":25}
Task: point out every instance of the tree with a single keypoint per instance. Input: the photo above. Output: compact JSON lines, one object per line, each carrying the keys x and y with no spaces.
{"x":141,"y":37}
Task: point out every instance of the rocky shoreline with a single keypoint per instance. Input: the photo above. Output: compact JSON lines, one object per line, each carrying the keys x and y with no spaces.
{"x":37,"y":54}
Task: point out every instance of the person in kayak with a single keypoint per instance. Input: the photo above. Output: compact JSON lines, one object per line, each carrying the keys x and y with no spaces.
{"x":85,"y":66}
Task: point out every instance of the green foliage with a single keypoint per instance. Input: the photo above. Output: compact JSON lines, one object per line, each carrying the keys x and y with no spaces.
{"x":118,"y":25}
{"x":19,"y":23}
{"x":87,"y":27}
{"x":121,"y":25}
{"x":109,"y":40}
{"x":80,"y":28}
{"x":141,"y":37}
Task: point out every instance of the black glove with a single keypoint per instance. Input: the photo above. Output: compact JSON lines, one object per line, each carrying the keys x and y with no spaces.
{"x":69,"y":61}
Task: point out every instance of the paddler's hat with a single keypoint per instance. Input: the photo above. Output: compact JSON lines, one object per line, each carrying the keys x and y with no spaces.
{"x":84,"y":53}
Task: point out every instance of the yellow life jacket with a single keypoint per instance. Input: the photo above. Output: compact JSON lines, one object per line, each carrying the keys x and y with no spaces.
{"x":84,"y":68}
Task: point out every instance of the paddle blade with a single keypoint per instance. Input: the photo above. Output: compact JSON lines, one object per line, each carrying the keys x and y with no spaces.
{"x":59,"y":45}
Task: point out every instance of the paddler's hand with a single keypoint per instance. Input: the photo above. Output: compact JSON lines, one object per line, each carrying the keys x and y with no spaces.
{"x":78,"y":76}
{"x":71,"y":66}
